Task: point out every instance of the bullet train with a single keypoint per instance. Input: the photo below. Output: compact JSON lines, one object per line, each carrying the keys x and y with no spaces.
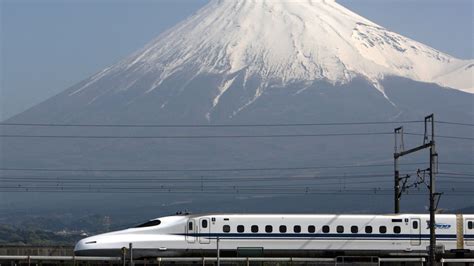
{"x":286,"y":235}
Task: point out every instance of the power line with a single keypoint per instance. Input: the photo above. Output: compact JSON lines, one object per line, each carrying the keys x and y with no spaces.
{"x":210,"y":125}
{"x":255,"y":182}
{"x":229,"y":125}
{"x":455,"y":123}
{"x":440,"y":136}
{"x":217,"y":169}
{"x":299,"y":192}
{"x":453,"y":163}
{"x":257,"y":178}
{"x":223,"y":136}
{"x":457,"y":174}
{"x":197,"y":136}
{"x":194,"y":180}
{"x":204,"y":169}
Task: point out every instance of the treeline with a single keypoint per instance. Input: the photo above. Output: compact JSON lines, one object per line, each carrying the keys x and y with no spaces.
{"x":14,"y":236}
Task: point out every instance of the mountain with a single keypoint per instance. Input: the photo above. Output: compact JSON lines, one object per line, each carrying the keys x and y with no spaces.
{"x":265,"y":61}
{"x":229,"y":54}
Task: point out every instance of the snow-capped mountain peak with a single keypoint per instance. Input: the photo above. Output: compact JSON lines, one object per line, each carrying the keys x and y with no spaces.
{"x":285,"y":41}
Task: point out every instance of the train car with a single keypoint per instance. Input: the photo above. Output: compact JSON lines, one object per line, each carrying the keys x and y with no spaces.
{"x":286,"y":235}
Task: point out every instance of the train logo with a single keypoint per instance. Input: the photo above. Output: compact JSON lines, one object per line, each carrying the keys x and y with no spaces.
{"x":438,"y":226}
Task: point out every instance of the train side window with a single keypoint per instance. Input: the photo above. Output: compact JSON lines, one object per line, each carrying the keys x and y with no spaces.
{"x":226,"y":228}
{"x":268,"y":228}
{"x":326,"y":229}
{"x":311,"y":229}
{"x":397,"y":229}
{"x":254,"y":228}
{"x":383,"y":229}
{"x":190,"y":226}
{"x":240,"y":228}
{"x":368,"y":229}
{"x":297,"y":229}
{"x":415,"y":224}
{"x":282,"y":228}
{"x":354,"y":229}
{"x":204,"y":223}
{"x":470,"y":225}
{"x":340,"y":229}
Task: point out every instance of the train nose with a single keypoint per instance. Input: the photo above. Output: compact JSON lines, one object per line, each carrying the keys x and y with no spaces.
{"x":85,"y":247}
{"x":96,"y":247}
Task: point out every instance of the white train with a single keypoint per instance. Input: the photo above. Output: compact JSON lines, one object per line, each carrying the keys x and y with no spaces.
{"x":285,"y":235}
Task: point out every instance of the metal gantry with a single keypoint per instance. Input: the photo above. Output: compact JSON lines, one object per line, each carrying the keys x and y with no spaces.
{"x":428,"y":142}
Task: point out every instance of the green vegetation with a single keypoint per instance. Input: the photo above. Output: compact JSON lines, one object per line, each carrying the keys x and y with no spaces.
{"x":13,"y":236}
{"x":52,"y":229}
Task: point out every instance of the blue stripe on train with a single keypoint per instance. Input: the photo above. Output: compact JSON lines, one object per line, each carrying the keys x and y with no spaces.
{"x":324,"y":236}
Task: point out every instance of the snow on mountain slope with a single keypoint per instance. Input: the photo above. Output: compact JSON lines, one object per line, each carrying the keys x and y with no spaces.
{"x":281,"y":42}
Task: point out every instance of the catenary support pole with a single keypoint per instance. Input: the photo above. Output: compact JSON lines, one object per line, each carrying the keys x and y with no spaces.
{"x":428,"y":142}
{"x":218,"y":252}
{"x":131,"y":253}
{"x":432,"y":252}
{"x":398,"y":131}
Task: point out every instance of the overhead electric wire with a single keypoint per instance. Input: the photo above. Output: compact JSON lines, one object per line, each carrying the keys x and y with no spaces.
{"x":455,"y":123}
{"x":211,"y":125}
{"x":224,"y":136}
{"x":196,"y":136}
{"x":218,"y":169}
{"x":191,"y":180}
{"x":312,"y":178}
{"x":440,"y":136}
{"x":229,"y":125}
{"x":334,"y":192}
{"x":454,"y":163}
{"x":197,"y":183}
{"x":203,"y":169}
{"x":457,"y":174}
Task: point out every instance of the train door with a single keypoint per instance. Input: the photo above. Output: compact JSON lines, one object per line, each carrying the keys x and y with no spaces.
{"x":191,"y":231}
{"x":469,"y":232}
{"x":204,"y":231}
{"x":415,"y":231}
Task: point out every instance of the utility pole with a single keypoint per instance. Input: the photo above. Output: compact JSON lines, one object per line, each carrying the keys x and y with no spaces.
{"x":428,"y":142}
{"x":218,"y":252}
{"x":433,"y":207}
{"x":398,"y":133}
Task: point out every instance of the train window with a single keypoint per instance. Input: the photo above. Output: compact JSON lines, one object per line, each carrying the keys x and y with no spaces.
{"x":354,"y":229}
{"x":204,"y":223}
{"x":297,"y":229}
{"x":326,"y":229}
{"x":415,"y":224}
{"x":254,"y":228}
{"x":282,"y":228}
{"x":268,"y":228}
{"x":149,"y":223}
{"x":340,"y":229}
{"x":226,"y":228}
{"x":368,"y":229}
{"x":470,"y":225}
{"x":311,"y":229}
{"x":382,"y":229}
{"x":240,"y":228}
{"x":397,"y":229}
{"x":190,"y":225}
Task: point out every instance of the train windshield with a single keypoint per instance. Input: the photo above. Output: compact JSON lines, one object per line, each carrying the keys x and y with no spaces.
{"x":149,"y":223}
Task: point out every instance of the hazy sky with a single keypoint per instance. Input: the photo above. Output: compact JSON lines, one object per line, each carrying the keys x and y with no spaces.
{"x":49,"y":45}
